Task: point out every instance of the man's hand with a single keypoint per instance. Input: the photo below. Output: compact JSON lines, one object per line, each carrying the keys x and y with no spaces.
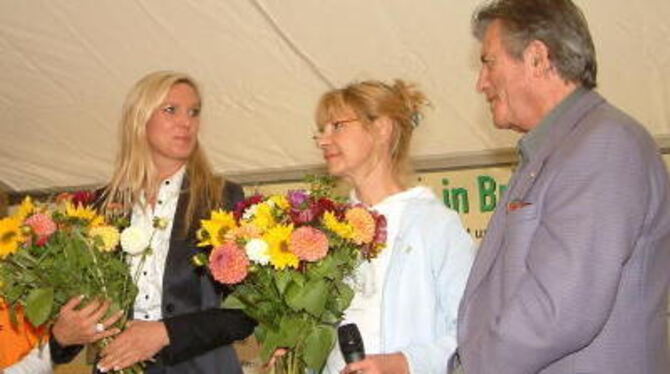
{"x":392,"y":363}
{"x":139,"y":342}
{"x":78,"y":326}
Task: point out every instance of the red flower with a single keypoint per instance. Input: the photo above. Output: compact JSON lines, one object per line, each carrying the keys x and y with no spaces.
{"x":83,"y":198}
{"x":241,"y":206}
{"x":228,"y":263}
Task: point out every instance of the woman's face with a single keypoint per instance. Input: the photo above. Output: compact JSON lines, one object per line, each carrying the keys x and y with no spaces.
{"x":172,"y":130}
{"x":349,"y":148}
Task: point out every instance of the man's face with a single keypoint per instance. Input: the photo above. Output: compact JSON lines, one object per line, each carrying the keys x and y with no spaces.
{"x":505,"y":81}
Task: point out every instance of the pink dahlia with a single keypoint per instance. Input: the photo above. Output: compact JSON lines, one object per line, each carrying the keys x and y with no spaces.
{"x":228,"y":263}
{"x":308,"y":243}
{"x":42,"y":225}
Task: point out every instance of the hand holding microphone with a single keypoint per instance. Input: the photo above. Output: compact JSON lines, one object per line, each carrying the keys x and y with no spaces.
{"x":353,"y":351}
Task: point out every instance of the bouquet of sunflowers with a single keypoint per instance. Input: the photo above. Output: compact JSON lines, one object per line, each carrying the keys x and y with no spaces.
{"x":52,"y":252}
{"x":289,"y":259}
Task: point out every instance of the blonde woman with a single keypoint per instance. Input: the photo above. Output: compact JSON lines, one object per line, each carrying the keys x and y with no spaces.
{"x":406,"y":300}
{"x":162,"y":173}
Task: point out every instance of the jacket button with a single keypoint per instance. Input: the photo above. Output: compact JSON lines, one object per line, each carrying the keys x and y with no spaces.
{"x":169,"y":308}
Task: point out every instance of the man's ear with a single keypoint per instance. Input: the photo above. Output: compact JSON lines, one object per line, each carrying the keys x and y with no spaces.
{"x":536,"y":56}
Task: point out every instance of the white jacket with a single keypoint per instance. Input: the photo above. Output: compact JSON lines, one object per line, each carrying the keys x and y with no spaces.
{"x":424,"y":282}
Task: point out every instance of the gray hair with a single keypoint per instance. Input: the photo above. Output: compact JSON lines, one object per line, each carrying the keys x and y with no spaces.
{"x":559,"y":24}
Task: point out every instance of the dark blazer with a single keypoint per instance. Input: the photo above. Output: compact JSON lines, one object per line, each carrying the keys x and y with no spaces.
{"x":200,"y":331}
{"x":573,"y":273}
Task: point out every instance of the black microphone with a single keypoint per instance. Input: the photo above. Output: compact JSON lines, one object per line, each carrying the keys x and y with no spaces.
{"x":351,"y":343}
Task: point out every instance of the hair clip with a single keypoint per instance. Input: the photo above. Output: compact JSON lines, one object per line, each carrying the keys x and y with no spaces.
{"x":416,"y":118}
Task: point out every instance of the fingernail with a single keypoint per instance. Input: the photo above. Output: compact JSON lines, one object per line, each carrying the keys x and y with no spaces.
{"x":102,"y":370}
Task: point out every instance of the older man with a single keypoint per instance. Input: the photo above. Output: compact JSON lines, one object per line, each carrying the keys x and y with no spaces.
{"x":572,"y":276}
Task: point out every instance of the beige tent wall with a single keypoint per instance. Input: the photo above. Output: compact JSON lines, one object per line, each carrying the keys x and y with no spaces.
{"x":66,"y":66}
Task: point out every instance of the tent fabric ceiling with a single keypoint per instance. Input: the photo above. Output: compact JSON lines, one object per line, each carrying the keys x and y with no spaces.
{"x":66,"y":66}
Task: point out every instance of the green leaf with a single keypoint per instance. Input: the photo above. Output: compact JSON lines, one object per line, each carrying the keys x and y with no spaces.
{"x":298,"y":278}
{"x":291,"y":328}
{"x":39,"y":304}
{"x":232,"y":302}
{"x":326,"y":268}
{"x":341,"y":298}
{"x":269,"y":344}
{"x":311,"y":297}
{"x":318,"y":345}
{"x":282,"y":279}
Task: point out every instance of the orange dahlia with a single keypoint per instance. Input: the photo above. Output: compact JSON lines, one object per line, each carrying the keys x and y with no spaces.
{"x":363,"y":223}
{"x":308,"y":243}
{"x":228,"y":263}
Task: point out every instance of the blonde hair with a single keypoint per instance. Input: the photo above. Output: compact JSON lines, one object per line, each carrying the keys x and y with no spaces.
{"x":135,"y":173}
{"x":401,"y":102}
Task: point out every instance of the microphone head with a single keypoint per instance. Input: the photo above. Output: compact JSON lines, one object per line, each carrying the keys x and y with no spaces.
{"x":351,"y":343}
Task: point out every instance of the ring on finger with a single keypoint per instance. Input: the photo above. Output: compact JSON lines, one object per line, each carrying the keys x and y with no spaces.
{"x":99,"y":327}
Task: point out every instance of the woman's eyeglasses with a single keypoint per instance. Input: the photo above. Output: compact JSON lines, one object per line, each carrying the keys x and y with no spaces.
{"x":332,"y":128}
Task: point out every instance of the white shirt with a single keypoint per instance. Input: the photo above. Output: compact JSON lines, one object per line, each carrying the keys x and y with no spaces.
{"x":148,"y":304}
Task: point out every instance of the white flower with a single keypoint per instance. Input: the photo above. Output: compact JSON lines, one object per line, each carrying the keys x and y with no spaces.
{"x":258,"y":251}
{"x":134,"y":240}
{"x":250,"y":212}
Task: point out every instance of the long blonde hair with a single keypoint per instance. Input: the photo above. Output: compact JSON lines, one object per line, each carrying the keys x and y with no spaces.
{"x":402,"y":102}
{"x":135,"y":173}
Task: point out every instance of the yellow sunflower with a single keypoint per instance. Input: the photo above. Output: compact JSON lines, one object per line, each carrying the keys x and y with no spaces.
{"x":277,"y":238}
{"x":280,"y":201}
{"x":85,"y":213}
{"x":11,"y":236}
{"x":25,"y":209}
{"x":213,"y":230}
{"x":342,"y":229}
{"x":263,"y":218}
{"x":108,"y":235}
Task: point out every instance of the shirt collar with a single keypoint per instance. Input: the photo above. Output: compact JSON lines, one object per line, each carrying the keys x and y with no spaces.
{"x":531,"y":142}
{"x":172,"y":184}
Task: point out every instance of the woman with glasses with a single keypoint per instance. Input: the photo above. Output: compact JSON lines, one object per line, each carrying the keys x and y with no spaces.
{"x":406,"y":300}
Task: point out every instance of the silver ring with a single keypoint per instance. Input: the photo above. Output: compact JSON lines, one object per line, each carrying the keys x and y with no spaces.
{"x":99,"y":327}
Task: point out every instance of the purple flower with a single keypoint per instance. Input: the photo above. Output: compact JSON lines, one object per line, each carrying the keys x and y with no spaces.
{"x":297,"y":198}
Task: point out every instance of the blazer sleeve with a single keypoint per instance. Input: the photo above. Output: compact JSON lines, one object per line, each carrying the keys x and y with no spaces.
{"x":61,"y":354}
{"x":589,"y":218}
{"x":196,"y":333}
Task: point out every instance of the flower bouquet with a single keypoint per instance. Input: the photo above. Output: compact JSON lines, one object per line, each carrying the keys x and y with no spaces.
{"x":50,"y":253}
{"x":289,"y":259}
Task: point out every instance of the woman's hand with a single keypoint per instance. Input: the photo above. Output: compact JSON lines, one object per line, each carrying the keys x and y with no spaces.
{"x":81,"y":326}
{"x":275,"y":355}
{"x":141,"y":341}
{"x":392,"y":363}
